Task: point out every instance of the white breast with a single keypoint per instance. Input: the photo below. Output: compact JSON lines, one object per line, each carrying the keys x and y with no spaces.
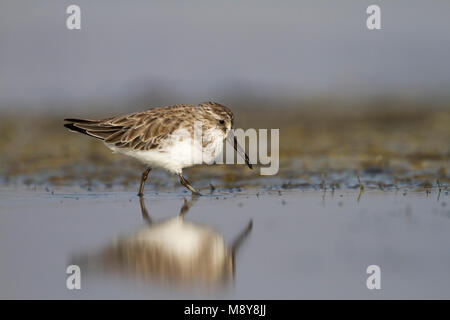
{"x":179,"y":150}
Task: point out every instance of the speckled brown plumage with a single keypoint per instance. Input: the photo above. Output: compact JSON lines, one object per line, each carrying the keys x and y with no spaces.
{"x":147,"y":129}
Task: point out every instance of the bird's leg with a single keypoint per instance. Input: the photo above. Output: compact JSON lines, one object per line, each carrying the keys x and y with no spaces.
{"x":187,"y":205}
{"x":144,"y":211}
{"x":143,"y":179}
{"x":186,"y":183}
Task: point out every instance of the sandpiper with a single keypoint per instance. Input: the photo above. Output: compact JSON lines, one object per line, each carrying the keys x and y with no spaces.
{"x":164,"y":137}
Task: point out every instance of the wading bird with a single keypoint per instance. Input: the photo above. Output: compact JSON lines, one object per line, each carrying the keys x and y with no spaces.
{"x":165,"y":137}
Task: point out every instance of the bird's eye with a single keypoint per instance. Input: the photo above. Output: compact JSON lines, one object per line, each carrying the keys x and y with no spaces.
{"x":221,"y":121}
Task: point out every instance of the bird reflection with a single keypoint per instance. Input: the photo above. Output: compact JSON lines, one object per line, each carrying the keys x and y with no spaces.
{"x":173,"y":251}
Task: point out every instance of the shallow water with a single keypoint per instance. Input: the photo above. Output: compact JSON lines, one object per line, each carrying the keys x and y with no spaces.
{"x":290,"y":244}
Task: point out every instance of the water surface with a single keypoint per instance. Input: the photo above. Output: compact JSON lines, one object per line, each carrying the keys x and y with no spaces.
{"x":291,"y":244}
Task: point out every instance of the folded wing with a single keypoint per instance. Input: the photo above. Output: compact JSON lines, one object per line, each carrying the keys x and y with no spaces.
{"x":139,"y":131}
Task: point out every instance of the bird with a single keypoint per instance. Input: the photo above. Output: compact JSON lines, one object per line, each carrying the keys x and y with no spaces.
{"x":164,"y":137}
{"x":173,"y":250}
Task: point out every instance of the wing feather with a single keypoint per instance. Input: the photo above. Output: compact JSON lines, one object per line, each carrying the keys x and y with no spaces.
{"x":140,"y":131}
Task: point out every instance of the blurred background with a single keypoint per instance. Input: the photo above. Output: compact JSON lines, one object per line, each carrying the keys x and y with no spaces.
{"x":347,"y":99}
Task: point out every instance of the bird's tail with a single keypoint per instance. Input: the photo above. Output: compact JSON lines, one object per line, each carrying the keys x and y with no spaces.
{"x":93,"y":128}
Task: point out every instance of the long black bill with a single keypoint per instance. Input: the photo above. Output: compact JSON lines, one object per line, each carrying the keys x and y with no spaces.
{"x":233,"y":141}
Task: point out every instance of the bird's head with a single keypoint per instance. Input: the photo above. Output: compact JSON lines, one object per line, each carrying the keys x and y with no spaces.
{"x":222,"y":115}
{"x":225,"y":121}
